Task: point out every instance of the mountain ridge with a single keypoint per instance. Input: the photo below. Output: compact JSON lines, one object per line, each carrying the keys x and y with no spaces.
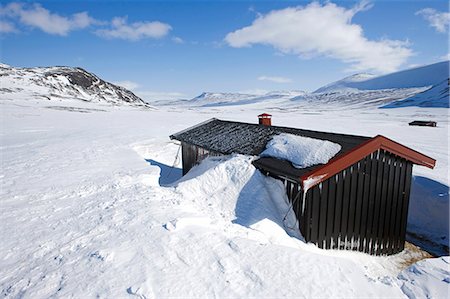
{"x":63,"y":82}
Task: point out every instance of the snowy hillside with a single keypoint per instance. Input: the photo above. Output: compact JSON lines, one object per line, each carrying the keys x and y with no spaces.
{"x":347,"y":98}
{"x":352,"y":98}
{"x":416,"y":77}
{"x":435,"y":96}
{"x":343,"y":83}
{"x":61,"y":84}
{"x":215,"y":99}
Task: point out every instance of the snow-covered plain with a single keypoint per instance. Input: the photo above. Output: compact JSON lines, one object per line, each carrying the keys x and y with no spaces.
{"x":92,"y":205}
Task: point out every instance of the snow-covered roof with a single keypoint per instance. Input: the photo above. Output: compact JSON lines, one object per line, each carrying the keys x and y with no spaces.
{"x":301,"y":151}
{"x":228,"y":137}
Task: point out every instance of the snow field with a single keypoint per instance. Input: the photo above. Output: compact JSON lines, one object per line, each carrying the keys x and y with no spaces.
{"x":84,"y":214}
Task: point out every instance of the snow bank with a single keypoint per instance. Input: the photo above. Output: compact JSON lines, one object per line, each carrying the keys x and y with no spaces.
{"x":429,"y":210}
{"x":427,"y":279}
{"x":301,"y":151}
{"x":233,"y":193}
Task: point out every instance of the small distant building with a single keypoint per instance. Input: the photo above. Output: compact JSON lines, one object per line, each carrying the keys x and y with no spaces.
{"x":357,"y":201}
{"x":423,"y":123}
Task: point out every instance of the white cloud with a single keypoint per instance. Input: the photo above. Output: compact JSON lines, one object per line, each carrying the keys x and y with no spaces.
{"x":438,"y":20}
{"x":7,"y":27}
{"x":127,"y":84}
{"x":322,"y":30}
{"x":134,"y":31}
{"x":274,"y":79}
{"x":177,"y":40}
{"x":38,"y":17}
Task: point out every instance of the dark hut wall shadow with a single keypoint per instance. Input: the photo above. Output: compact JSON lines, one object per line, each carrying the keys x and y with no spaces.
{"x":168,"y":174}
{"x":428,"y":215}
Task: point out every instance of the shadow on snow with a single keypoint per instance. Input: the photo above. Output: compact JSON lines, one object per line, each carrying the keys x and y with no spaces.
{"x":168,"y":174}
{"x":428,"y":217}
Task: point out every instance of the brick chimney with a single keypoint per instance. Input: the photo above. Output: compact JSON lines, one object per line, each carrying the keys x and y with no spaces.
{"x":265,"y":119}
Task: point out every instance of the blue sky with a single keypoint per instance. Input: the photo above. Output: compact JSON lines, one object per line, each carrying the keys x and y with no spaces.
{"x":163,"y":49}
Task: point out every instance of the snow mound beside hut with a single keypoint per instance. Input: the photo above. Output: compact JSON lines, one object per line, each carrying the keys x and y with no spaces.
{"x":301,"y":151}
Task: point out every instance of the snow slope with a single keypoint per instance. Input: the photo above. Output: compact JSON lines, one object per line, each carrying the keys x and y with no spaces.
{"x":217,"y":99}
{"x":435,"y":96}
{"x":351,"y":98}
{"x":416,"y":77}
{"x":84,"y":214}
{"x":343,"y":83}
{"x":62,"y":84}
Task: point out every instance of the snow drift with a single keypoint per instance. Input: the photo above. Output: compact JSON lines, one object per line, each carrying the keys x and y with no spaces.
{"x":301,"y":151}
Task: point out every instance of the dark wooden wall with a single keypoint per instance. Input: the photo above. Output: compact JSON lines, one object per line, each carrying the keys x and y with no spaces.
{"x":192,"y":155}
{"x":362,"y":208}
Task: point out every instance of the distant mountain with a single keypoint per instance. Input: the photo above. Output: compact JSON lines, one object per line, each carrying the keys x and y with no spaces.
{"x":354,"y":98}
{"x":437,"y":96}
{"x":286,"y":94}
{"x":62,"y":83}
{"x":343,"y":84}
{"x":411,"y":78}
{"x":220,"y":97}
{"x":211,"y":99}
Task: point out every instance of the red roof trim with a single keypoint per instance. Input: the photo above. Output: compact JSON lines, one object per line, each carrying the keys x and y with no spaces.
{"x":341,"y":162}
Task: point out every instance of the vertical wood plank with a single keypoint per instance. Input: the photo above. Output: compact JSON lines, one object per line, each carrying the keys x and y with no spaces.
{"x":330,"y":212}
{"x":300,"y":213}
{"x":388,"y":209}
{"x":352,"y":204}
{"x":363,"y":240}
{"x":315,"y":214}
{"x":383,"y":203}
{"x":376,"y":210}
{"x":359,"y":203}
{"x":406,"y":194}
{"x":338,"y":210}
{"x":400,"y":205}
{"x":323,"y":214}
{"x":371,"y":208}
{"x":307,"y":220}
{"x":345,"y":206}
{"x":394,"y":209}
